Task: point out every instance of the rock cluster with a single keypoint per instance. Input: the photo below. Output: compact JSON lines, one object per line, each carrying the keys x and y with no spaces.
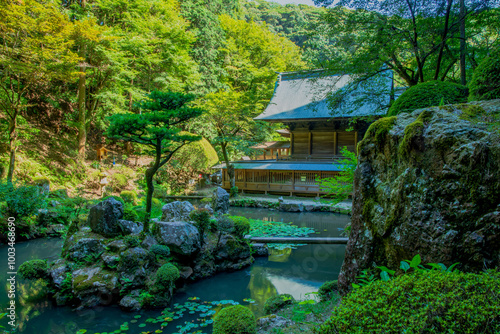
{"x":427,"y":183}
{"x":99,"y":270}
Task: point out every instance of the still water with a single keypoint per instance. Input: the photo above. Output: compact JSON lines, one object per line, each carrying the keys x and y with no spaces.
{"x":297,"y":272}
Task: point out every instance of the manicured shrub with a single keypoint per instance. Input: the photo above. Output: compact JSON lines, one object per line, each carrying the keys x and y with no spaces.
{"x":34,"y":269}
{"x":485,"y":83}
{"x":276,"y":303}
{"x":429,"y":94}
{"x":235,"y":319}
{"x":166,"y":276}
{"x":129,"y":213}
{"x":224,"y":224}
{"x":118,"y":181}
{"x":160,"y":251}
{"x":327,"y":290}
{"x":241,"y":225}
{"x":129,"y":196}
{"x":422,"y":302}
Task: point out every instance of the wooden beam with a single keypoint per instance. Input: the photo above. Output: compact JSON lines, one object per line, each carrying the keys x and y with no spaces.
{"x":310,"y":142}
{"x":298,"y":240}
{"x":292,"y":139}
{"x":355,"y":140}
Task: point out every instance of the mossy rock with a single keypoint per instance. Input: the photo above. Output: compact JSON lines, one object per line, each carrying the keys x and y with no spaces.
{"x":241,"y":225}
{"x":328,"y":290}
{"x":378,"y":131}
{"x":235,"y":319}
{"x":118,"y":198}
{"x":34,"y":269}
{"x":428,"y":94}
{"x":278,"y":302}
{"x":485,"y":83}
{"x":428,"y":302}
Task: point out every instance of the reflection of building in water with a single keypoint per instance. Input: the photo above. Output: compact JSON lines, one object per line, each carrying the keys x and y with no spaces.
{"x":279,"y":255}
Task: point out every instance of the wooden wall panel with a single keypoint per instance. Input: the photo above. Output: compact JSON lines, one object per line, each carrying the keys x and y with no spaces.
{"x":300,"y":143}
{"x":346,"y":139}
{"x":323,"y":143}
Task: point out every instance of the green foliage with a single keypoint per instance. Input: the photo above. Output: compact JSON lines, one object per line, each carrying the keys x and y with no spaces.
{"x":422,"y":302}
{"x":160,"y":251}
{"x":278,"y":302}
{"x":40,"y":181}
{"x":166,"y":277}
{"x":34,"y":269}
{"x":129,"y":213}
{"x":327,"y":290}
{"x":201,"y":218}
{"x":129,"y":196}
{"x":233,"y":192}
{"x":132,"y":240}
{"x":22,"y":201}
{"x":339,"y":188}
{"x":241,"y":225}
{"x":485,"y":83}
{"x":428,"y":94}
{"x":118,"y":181}
{"x":235,"y":319}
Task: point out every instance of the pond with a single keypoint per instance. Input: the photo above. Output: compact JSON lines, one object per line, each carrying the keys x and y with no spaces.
{"x":297,"y":272}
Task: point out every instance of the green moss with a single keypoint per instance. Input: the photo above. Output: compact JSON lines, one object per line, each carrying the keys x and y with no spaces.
{"x":118,"y":198}
{"x":118,"y":181}
{"x":132,"y":240}
{"x":378,"y":130}
{"x":430,"y":302}
{"x":327,"y":290}
{"x":241,"y":225}
{"x":129,"y":196}
{"x":84,"y":282}
{"x":276,"y":303}
{"x":428,"y":94}
{"x":34,"y":269}
{"x":485,"y":83}
{"x":412,"y":131}
{"x":40,"y":181}
{"x":235,"y":320}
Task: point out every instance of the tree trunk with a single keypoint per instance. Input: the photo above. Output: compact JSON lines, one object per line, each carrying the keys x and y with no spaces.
{"x":150,"y":172}
{"x":12,"y":146}
{"x":463,"y":77}
{"x":229,"y":166}
{"x":82,"y":130}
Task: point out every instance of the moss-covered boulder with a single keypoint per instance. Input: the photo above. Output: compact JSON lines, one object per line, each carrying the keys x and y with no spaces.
{"x":428,"y":94}
{"x":428,"y":184}
{"x":94,"y":286}
{"x":104,"y":216}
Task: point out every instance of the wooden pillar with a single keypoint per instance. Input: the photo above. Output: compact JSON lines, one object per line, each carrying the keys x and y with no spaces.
{"x":268,"y":179}
{"x":335,"y":143}
{"x":293,"y":179}
{"x":310,"y":142}
{"x":291,"y":143}
{"x":355,"y":141}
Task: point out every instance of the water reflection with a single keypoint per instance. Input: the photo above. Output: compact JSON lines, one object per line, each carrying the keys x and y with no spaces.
{"x":296,"y":272}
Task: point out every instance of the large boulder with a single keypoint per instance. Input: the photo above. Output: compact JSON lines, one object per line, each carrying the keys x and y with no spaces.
{"x":94,"y":286}
{"x":220,"y":201}
{"x":83,"y":246}
{"x":182,"y":238}
{"x":176,"y":211}
{"x":427,"y":183}
{"x":104,"y":218}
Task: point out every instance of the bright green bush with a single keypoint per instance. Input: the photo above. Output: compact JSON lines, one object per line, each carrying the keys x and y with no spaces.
{"x":129,"y":213}
{"x":241,"y":225}
{"x":41,"y":181}
{"x":235,"y":319}
{"x":233,"y":192}
{"x":129,"y":196}
{"x":160,"y":251}
{"x":428,"y":94}
{"x":34,"y":269}
{"x":422,"y":302}
{"x":118,"y":181}
{"x":485,"y":83}
{"x":166,"y":276}
{"x":327,"y":290}
{"x":22,"y":201}
{"x":276,"y":303}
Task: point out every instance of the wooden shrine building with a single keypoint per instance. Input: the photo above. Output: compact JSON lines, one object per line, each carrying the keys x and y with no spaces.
{"x":316,"y":136}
